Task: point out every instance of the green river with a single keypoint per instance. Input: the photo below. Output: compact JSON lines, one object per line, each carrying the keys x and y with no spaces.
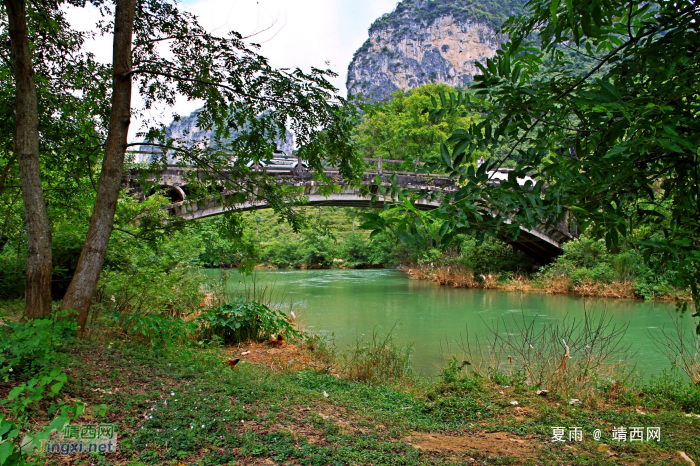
{"x":346,"y":304}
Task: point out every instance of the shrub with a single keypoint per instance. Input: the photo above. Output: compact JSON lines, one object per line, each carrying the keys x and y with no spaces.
{"x":319,"y":251}
{"x":285,"y":253}
{"x":155,"y":328}
{"x":567,"y":356}
{"x":356,"y":251}
{"x":32,"y":352}
{"x":243,"y":320}
{"x":33,"y":347}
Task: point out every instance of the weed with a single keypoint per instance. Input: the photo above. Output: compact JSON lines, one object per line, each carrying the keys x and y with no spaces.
{"x":681,"y":345}
{"x":568,"y":356}
{"x":377,"y":360}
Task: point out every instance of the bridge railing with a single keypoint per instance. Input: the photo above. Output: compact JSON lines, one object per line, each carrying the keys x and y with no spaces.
{"x":373,"y":166}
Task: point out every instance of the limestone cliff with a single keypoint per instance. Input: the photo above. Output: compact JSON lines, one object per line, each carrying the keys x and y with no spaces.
{"x":428,"y":41}
{"x":186,"y":129}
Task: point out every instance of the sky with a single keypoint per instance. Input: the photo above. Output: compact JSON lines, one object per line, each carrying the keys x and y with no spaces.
{"x":292,"y":33}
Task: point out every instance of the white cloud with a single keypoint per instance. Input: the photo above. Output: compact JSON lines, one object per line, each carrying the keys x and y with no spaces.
{"x":302,"y":33}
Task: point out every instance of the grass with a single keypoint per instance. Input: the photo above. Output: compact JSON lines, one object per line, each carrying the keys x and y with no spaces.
{"x":182,"y":405}
{"x":304,"y":404}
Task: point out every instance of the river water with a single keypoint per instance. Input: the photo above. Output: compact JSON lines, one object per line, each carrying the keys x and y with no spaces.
{"x":344,"y":305}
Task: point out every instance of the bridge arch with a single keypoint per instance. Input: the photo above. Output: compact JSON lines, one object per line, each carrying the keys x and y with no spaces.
{"x":542,"y":243}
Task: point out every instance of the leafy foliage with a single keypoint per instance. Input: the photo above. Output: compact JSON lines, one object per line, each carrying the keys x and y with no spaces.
{"x":31,"y":353}
{"x":400,"y":129}
{"x":377,"y":360}
{"x":33,"y":347}
{"x":243,"y":320}
{"x":615,"y":148}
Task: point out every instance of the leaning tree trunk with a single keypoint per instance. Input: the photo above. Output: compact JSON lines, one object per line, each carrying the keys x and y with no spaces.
{"x":26,"y":147}
{"x":84,"y":282}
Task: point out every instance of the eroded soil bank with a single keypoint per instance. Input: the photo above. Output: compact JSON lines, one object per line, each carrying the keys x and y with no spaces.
{"x":459,"y":278}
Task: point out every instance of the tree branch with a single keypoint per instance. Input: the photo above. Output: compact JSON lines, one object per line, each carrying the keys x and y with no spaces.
{"x":210,"y":83}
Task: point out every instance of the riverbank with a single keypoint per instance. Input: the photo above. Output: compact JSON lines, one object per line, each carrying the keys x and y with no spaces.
{"x":183,"y":406}
{"x":301,"y":401}
{"x":460,"y":278}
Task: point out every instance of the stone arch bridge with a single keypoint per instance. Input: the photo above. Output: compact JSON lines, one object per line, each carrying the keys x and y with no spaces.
{"x":542,"y":243}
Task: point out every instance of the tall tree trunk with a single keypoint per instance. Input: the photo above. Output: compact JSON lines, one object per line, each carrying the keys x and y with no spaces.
{"x":82,"y":286}
{"x":26,"y":147}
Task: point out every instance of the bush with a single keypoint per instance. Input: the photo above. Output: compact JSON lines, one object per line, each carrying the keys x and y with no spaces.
{"x":31,"y":348}
{"x":285,"y":253}
{"x":356,"y":251}
{"x":156,"y":328}
{"x":31,"y":352}
{"x":243,"y":320}
{"x":492,"y":256}
{"x":587,"y":261}
{"x":568,"y":356}
{"x":319,"y":251}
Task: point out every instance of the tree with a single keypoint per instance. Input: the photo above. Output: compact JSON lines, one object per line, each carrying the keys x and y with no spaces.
{"x":616,"y":146}
{"x":51,"y":113}
{"x":242,"y":94}
{"x":26,"y":151}
{"x":401,"y":130}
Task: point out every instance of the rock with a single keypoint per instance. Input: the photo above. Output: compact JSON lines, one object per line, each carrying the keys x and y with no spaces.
{"x":426,"y":41}
{"x":542,"y":392}
{"x":514,"y":403}
{"x":186,"y":129}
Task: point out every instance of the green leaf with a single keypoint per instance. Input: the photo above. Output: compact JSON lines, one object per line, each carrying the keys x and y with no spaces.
{"x":611,"y":89}
{"x":553,"y":8}
{"x":6,"y":449}
{"x":445,"y":154}
{"x":15,"y":392}
{"x":369,"y":226}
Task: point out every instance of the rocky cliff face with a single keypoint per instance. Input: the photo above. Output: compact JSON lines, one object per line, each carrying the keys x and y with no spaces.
{"x":186,"y":129}
{"x":428,"y":41}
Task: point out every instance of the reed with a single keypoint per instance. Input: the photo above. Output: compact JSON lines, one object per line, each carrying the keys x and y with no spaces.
{"x":569,"y":357}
